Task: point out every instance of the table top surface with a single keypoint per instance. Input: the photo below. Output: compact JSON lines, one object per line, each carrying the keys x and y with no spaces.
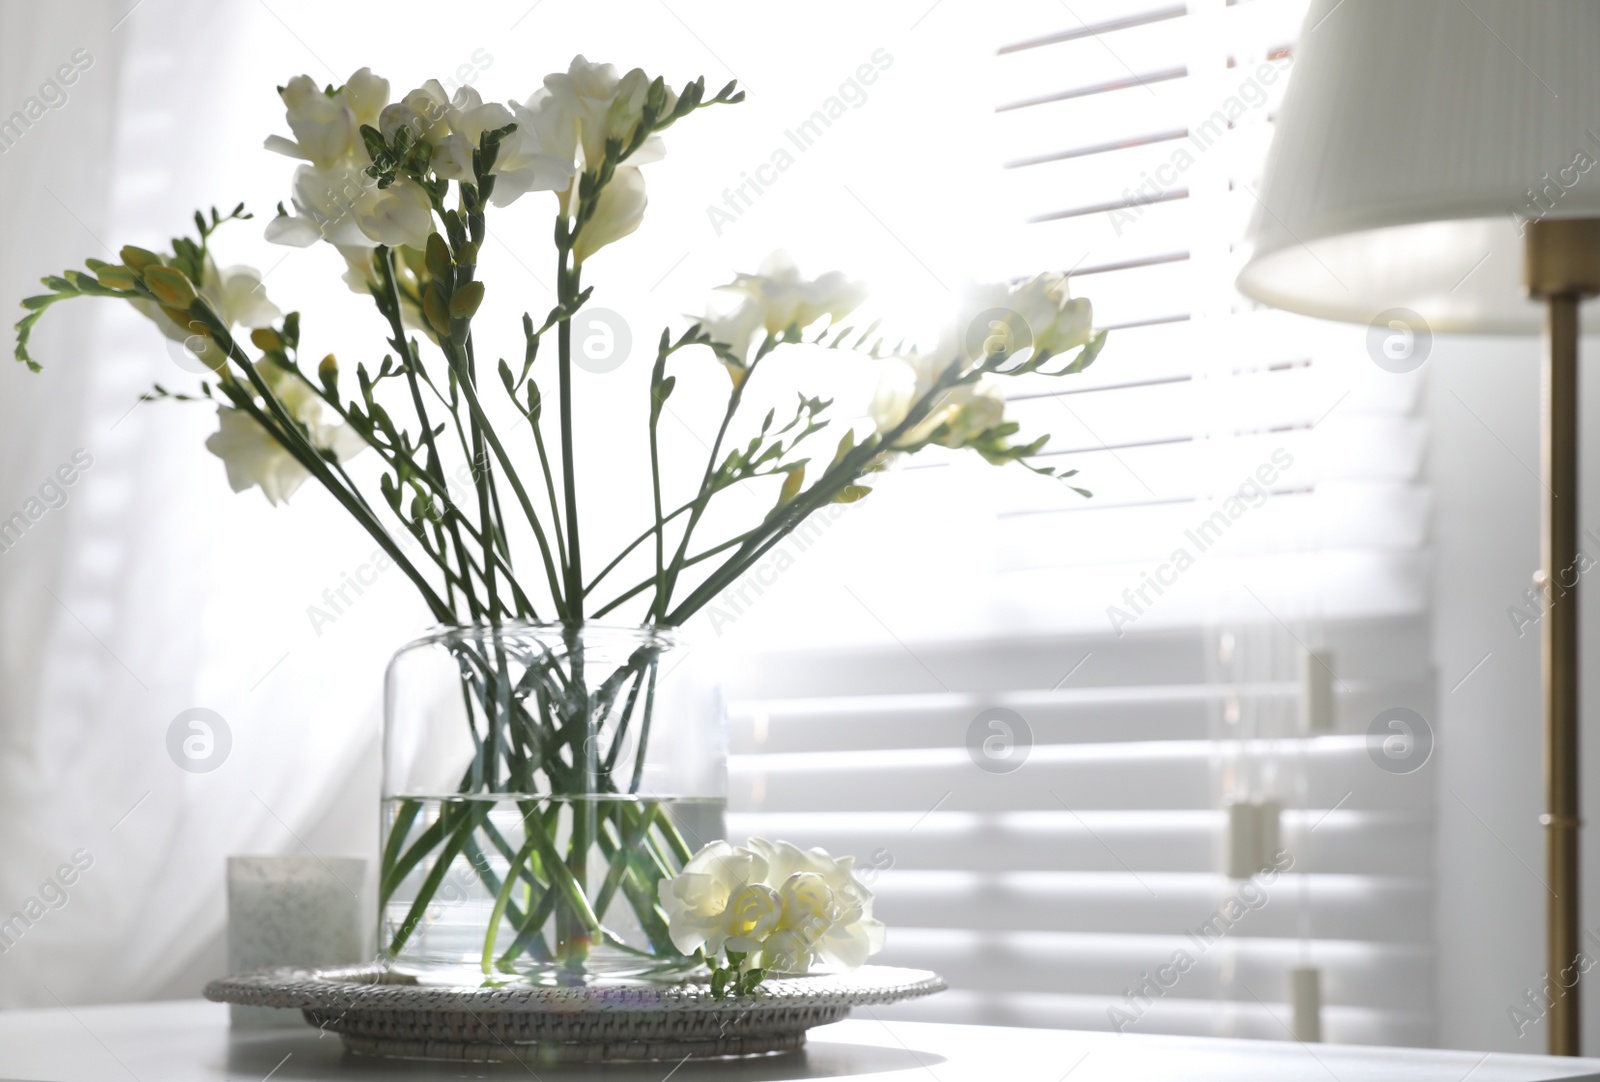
{"x":191,"y":1041}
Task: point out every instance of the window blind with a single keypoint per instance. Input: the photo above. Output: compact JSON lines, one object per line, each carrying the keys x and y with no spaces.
{"x":1257,"y":496}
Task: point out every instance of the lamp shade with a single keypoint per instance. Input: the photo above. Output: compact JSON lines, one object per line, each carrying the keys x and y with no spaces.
{"x":1415,"y":142}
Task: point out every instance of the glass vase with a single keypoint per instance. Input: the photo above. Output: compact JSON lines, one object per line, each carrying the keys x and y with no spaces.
{"x":538,"y":783}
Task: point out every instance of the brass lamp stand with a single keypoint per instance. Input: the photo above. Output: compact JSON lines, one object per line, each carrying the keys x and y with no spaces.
{"x":1562,"y":267}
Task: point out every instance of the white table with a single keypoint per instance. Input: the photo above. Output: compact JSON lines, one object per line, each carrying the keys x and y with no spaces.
{"x":192,"y":1042}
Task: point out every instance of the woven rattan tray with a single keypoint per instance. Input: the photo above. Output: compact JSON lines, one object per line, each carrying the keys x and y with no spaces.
{"x":381,"y":1013}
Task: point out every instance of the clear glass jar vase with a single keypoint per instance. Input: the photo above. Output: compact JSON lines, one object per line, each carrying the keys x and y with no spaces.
{"x":538,"y":783}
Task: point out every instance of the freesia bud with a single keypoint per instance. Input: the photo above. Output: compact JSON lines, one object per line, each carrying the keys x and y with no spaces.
{"x":438,"y":254}
{"x":116,"y":277}
{"x":328,"y":371}
{"x":466,"y":300}
{"x":436,"y":309}
{"x":169,"y":286}
{"x":190,"y":325}
{"x":267,"y":340}
{"x":139,"y":258}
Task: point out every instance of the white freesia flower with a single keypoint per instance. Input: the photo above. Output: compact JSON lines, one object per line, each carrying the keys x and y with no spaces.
{"x":1040,"y":312}
{"x":570,"y":118}
{"x":400,"y":214}
{"x":696,"y":898}
{"x":844,"y":934}
{"x":252,"y":457}
{"x":796,"y":907}
{"x":735,"y":327}
{"x":327,"y":127}
{"x":324,"y":128}
{"x":234,"y":294}
{"x":751,"y":915}
{"x":359,"y":274}
{"x":617,"y":212}
{"x":786,"y":951}
{"x":576,"y":111}
{"x":525,"y":165}
{"x":805,"y":899}
{"x":788,"y":300}
{"x":967,"y":410}
{"x":422,"y":111}
{"x":327,"y":202}
{"x":346,"y":208}
{"x":466,"y":118}
{"x":366,"y":94}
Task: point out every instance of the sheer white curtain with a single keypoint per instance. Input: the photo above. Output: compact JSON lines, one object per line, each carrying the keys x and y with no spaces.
{"x":151,"y":591}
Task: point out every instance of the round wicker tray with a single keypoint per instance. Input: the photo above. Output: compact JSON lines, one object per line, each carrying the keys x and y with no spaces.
{"x":381,"y":1013}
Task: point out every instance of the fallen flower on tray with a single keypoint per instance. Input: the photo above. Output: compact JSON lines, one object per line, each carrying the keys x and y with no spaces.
{"x":769,"y":907}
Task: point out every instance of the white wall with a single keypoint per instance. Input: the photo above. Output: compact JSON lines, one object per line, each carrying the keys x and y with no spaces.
{"x":1483,"y":398}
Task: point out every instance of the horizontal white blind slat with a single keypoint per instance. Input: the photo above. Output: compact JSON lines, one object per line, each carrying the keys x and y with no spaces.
{"x":1345,"y":841}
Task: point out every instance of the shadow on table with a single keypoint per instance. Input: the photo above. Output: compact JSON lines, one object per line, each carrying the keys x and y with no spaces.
{"x":296,"y":1054}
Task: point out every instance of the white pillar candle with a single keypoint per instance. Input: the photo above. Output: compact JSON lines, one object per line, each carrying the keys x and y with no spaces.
{"x":292,"y":911}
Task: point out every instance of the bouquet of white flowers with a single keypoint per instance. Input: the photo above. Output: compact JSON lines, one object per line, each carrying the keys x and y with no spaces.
{"x":404,"y":189}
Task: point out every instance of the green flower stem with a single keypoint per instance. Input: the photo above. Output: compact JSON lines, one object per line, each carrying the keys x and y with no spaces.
{"x":680,"y":849}
{"x":618,"y":737}
{"x":644,"y":732}
{"x":513,"y":913}
{"x":703,"y":495}
{"x":550,"y":490}
{"x":631,"y":834}
{"x":531,"y":874}
{"x":286,"y":431}
{"x":398,"y":832}
{"x":436,"y":463}
{"x":470,"y":394}
{"x":503,"y":898}
{"x":566,"y":293}
{"x":561,"y":875}
{"x":531,"y":935}
{"x":641,"y":587}
{"x":639,"y":887}
{"x":654,"y":531}
{"x":399,"y":461}
{"x":430,"y":886}
{"x":783,"y":520}
{"x":395,"y":871}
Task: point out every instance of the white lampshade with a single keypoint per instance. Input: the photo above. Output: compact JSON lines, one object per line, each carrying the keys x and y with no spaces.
{"x":1415,"y":140}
